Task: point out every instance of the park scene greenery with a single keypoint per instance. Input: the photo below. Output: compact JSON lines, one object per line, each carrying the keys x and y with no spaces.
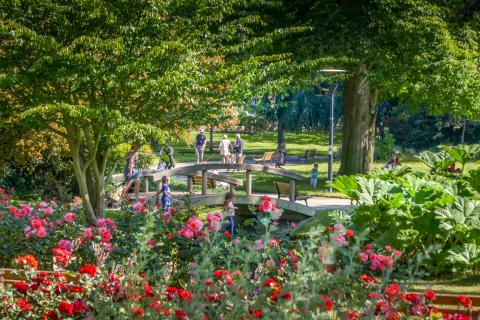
{"x":382,"y":94}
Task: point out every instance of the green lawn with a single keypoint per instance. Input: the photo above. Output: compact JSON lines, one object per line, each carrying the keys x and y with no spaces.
{"x":297,"y":143}
{"x":256,"y":144}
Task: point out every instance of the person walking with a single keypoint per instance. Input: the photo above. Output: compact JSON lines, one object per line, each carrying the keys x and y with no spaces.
{"x":238,"y":147}
{"x":200,"y":142}
{"x":131,"y":173}
{"x":314,"y":176}
{"x":225,"y":149}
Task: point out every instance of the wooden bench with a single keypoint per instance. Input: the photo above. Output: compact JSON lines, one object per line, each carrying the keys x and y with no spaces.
{"x":308,"y":154}
{"x":197,"y":181}
{"x":283,"y":190}
{"x":267,"y":156}
{"x":449,"y":304}
{"x":212,"y":145}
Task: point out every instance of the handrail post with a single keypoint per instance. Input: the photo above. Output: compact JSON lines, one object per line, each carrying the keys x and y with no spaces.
{"x":291,"y":196}
{"x":190,"y":184}
{"x":159,"y":188}
{"x":204,"y":182}
{"x":146,"y":182}
{"x":248,"y":181}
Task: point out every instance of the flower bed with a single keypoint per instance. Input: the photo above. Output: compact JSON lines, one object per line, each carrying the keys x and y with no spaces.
{"x":144,"y":265}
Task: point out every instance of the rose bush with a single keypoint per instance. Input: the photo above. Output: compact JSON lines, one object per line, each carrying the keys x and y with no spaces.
{"x":188,"y":268}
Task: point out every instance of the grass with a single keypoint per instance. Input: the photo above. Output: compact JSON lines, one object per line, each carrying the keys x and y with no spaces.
{"x":257,"y":144}
{"x":297,"y":143}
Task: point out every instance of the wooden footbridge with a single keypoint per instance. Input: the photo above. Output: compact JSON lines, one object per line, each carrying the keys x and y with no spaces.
{"x":205,"y":172}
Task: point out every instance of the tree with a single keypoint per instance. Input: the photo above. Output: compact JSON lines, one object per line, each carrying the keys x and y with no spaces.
{"x":99,"y":73}
{"x":416,"y":49}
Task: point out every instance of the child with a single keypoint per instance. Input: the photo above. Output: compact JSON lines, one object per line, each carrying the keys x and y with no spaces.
{"x":162,"y":165}
{"x":314,"y":176}
{"x":229,"y":209}
{"x":166,"y":197}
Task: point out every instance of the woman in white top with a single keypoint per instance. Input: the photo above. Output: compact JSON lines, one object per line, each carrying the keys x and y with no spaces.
{"x":224,"y":149}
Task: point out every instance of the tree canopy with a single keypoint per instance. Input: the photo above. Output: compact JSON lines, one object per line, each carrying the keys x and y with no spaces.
{"x":100,"y":73}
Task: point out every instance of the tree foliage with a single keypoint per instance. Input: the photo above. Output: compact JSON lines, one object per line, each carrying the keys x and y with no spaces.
{"x":100,"y":73}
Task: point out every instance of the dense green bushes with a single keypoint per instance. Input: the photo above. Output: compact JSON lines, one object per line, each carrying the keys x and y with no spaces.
{"x":435,"y":214}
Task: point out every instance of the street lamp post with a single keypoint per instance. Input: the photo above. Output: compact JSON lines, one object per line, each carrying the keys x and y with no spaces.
{"x":330,"y":138}
{"x":331,"y":124}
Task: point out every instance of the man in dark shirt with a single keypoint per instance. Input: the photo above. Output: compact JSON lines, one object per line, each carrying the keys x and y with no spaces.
{"x":200,"y":142}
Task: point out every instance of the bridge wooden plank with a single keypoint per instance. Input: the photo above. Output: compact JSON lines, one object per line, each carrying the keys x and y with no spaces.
{"x":197,"y":168}
{"x":161,"y":173}
{"x":192,"y":169}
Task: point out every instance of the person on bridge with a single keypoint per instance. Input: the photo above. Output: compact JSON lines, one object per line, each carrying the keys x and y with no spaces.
{"x":238,"y":147}
{"x":229,"y":210}
{"x":200,"y":142}
{"x":131,"y":173}
{"x":225,"y":149}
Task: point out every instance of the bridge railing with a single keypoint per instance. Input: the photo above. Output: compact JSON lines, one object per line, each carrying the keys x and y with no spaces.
{"x":204,"y":168}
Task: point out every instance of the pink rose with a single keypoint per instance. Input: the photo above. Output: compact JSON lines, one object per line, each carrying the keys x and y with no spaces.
{"x":194,"y":224}
{"x":69,"y":217}
{"x":41,"y":232}
{"x":185,"y":232}
{"x":65,"y":244}
{"x":48,"y":211}
{"x":88,"y":233}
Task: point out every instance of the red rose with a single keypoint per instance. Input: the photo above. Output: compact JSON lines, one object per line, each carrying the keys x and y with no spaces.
{"x":169,"y":235}
{"x":89,"y":269}
{"x":349,"y":233}
{"x":227,"y":234}
{"x":184,"y":294}
{"x":138,"y":311}
{"x":76,"y":289}
{"x":287,"y":296}
{"x":328,"y":302}
{"x":180,"y":314}
{"x":465,"y":301}
{"x":21,"y":286}
{"x":256,"y":313}
{"x":50,"y":315}
{"x":79,"y":306}
{"x":65,"y":308}
{"x":430,"y":295}
{"x":25,"y":305}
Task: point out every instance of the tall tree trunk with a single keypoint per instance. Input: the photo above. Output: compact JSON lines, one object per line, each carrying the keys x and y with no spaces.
{"x":280,"y":128}
{"x":359,"y":113}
